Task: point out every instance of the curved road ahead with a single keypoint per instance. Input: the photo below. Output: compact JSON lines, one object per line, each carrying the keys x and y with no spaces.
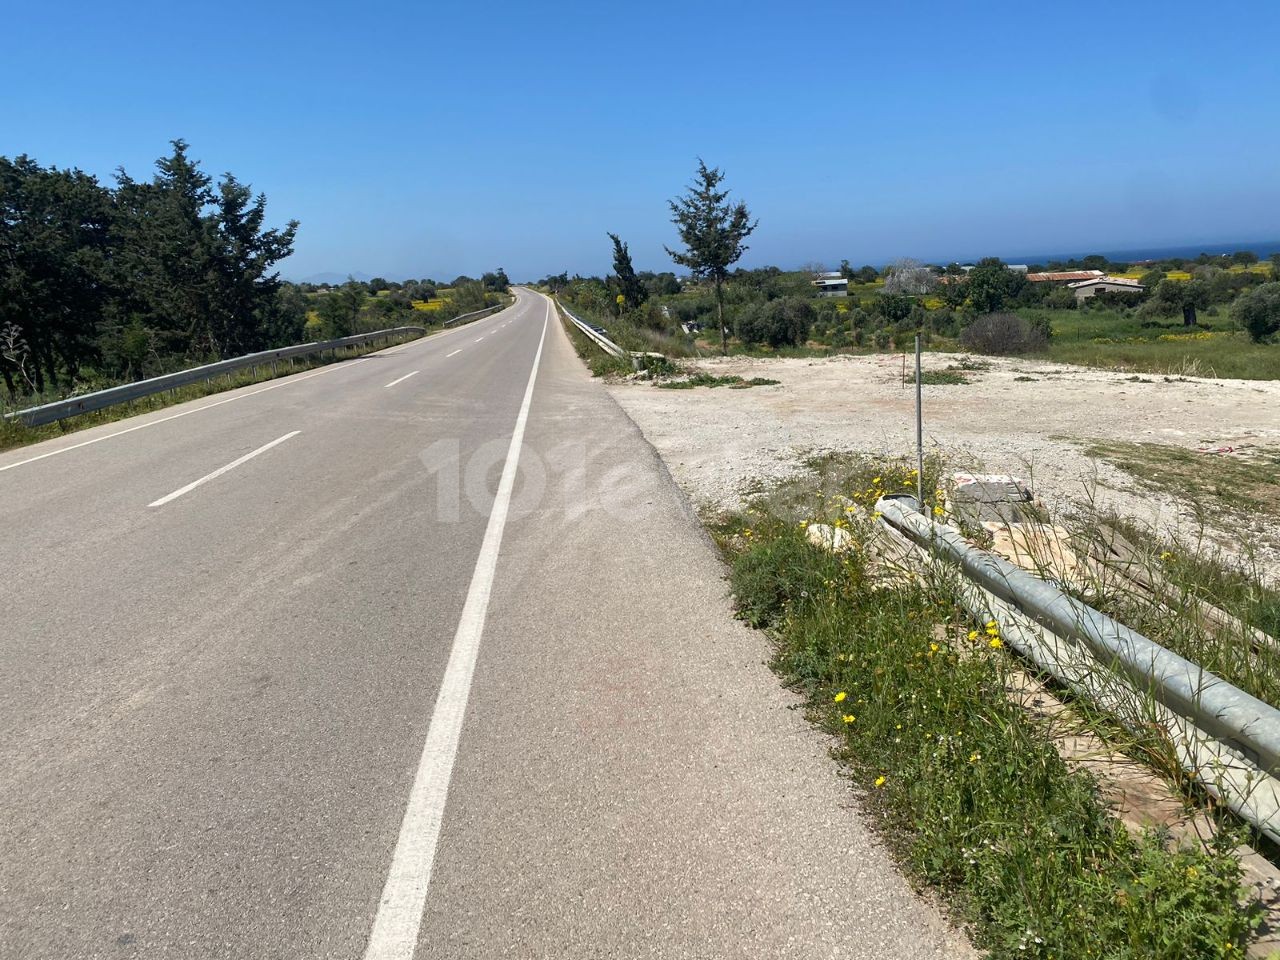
{"x":420,"y":654}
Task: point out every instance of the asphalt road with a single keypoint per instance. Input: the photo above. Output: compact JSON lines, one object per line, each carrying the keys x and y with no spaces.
{"x":421,"y":655}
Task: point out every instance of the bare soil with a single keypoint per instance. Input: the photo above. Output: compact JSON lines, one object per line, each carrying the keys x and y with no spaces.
{"x":1029,"y":418}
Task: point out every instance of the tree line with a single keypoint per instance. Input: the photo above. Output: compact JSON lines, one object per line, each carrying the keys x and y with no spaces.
{"x":769,"y":306}
{"x":360,"y":307}
{"x":108,"y":282}
{"x":101,"y":282}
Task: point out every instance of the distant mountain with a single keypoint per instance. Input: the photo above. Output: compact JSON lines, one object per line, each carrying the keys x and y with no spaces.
{"x":330,"y":277}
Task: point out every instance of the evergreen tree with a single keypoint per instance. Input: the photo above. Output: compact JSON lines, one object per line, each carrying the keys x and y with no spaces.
{"x":630,"y":288}
{"x":54,"y":238}
{"x":712,"y":230}
{"x":165,"y":257}
{"x":243,"y":254}
{"x":102,"y":284}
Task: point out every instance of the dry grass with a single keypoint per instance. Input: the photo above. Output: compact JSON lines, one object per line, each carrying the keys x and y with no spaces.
{"x":1243,"y":482}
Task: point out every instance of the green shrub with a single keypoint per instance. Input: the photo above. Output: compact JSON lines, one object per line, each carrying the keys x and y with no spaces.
{"x":782,"y":322}
{"x":1258,"y":312}
{"x":1061,"y":298}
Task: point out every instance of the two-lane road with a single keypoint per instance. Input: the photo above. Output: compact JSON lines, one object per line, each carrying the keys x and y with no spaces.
{"x":416,"y":653}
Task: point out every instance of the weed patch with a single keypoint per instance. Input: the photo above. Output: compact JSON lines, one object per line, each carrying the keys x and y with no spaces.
{"x":943,"y":378}
{"x":600,"y":364}
{"x":1246,"y":482}
{"x":707,"y":380}
{"x":969,"y":791}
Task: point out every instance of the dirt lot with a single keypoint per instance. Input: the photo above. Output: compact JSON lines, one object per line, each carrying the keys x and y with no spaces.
{"x":1033,"y":419}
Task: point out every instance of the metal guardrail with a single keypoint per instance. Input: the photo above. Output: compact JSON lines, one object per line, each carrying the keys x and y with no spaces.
{"x":99,"y":399}
{"x":475,"y":313}
{"x":596,"y":337}
{"x":1227,"y":737}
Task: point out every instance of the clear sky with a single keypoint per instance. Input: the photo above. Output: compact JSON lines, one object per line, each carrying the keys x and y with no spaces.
{"x":431,"y":139}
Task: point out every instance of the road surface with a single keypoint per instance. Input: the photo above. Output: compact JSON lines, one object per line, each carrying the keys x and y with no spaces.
{"x":421,"y":654}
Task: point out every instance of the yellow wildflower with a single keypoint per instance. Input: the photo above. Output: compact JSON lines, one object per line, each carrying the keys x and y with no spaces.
{"x":848,"y":718}
{"x":973,"y":634}
{"x":994,"y":643}
{"x":839,"y":697}
{"x":880,"y":781}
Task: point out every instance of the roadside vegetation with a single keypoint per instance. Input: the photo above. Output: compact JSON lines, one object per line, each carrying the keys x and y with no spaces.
{"x":917,"y":697}
{"x":708,"y":380}
{"x":777,"y":314}
{"x":1246,"y":481}
{"x":15,"y":433}
{"x":1213,"y":315}
{"x":102,"y":284}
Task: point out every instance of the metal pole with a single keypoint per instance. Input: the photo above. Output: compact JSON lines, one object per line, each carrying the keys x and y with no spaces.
{"x":919,"y":431}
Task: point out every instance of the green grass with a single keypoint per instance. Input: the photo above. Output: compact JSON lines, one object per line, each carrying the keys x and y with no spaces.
{"x":939,"y":378}
{"x":600,"y":364}
{"x":707,"y":380}
{"x":968,"y":789}
{"x":14,"y":433}
{"x":1231,"y":585}
{"x":1185,"y":574}
{"x":1105,"y":338}
{"x":1244,"y":482}
{"x":635,"y":337}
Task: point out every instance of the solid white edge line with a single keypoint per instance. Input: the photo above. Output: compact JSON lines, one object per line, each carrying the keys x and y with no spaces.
{"x":221,"y":470}
{"x":478,"y":339}
{"x":395,"y":927}
{"x":454,"y":354}
{"x":403,"y":379}
{"x":284,"y":382}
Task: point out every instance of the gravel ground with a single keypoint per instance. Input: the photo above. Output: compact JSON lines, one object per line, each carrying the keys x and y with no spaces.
{"x":720,"y":443}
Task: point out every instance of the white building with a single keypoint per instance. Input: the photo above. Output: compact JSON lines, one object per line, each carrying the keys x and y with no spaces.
{"x":831,"y":285}
{"x":1084,"y":289}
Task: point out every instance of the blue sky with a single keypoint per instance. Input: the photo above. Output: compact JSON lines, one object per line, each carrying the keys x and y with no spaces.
{"x":431,"y":139}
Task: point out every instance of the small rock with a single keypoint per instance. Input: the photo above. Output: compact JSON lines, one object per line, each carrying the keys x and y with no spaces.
{"x":834,"y":539}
